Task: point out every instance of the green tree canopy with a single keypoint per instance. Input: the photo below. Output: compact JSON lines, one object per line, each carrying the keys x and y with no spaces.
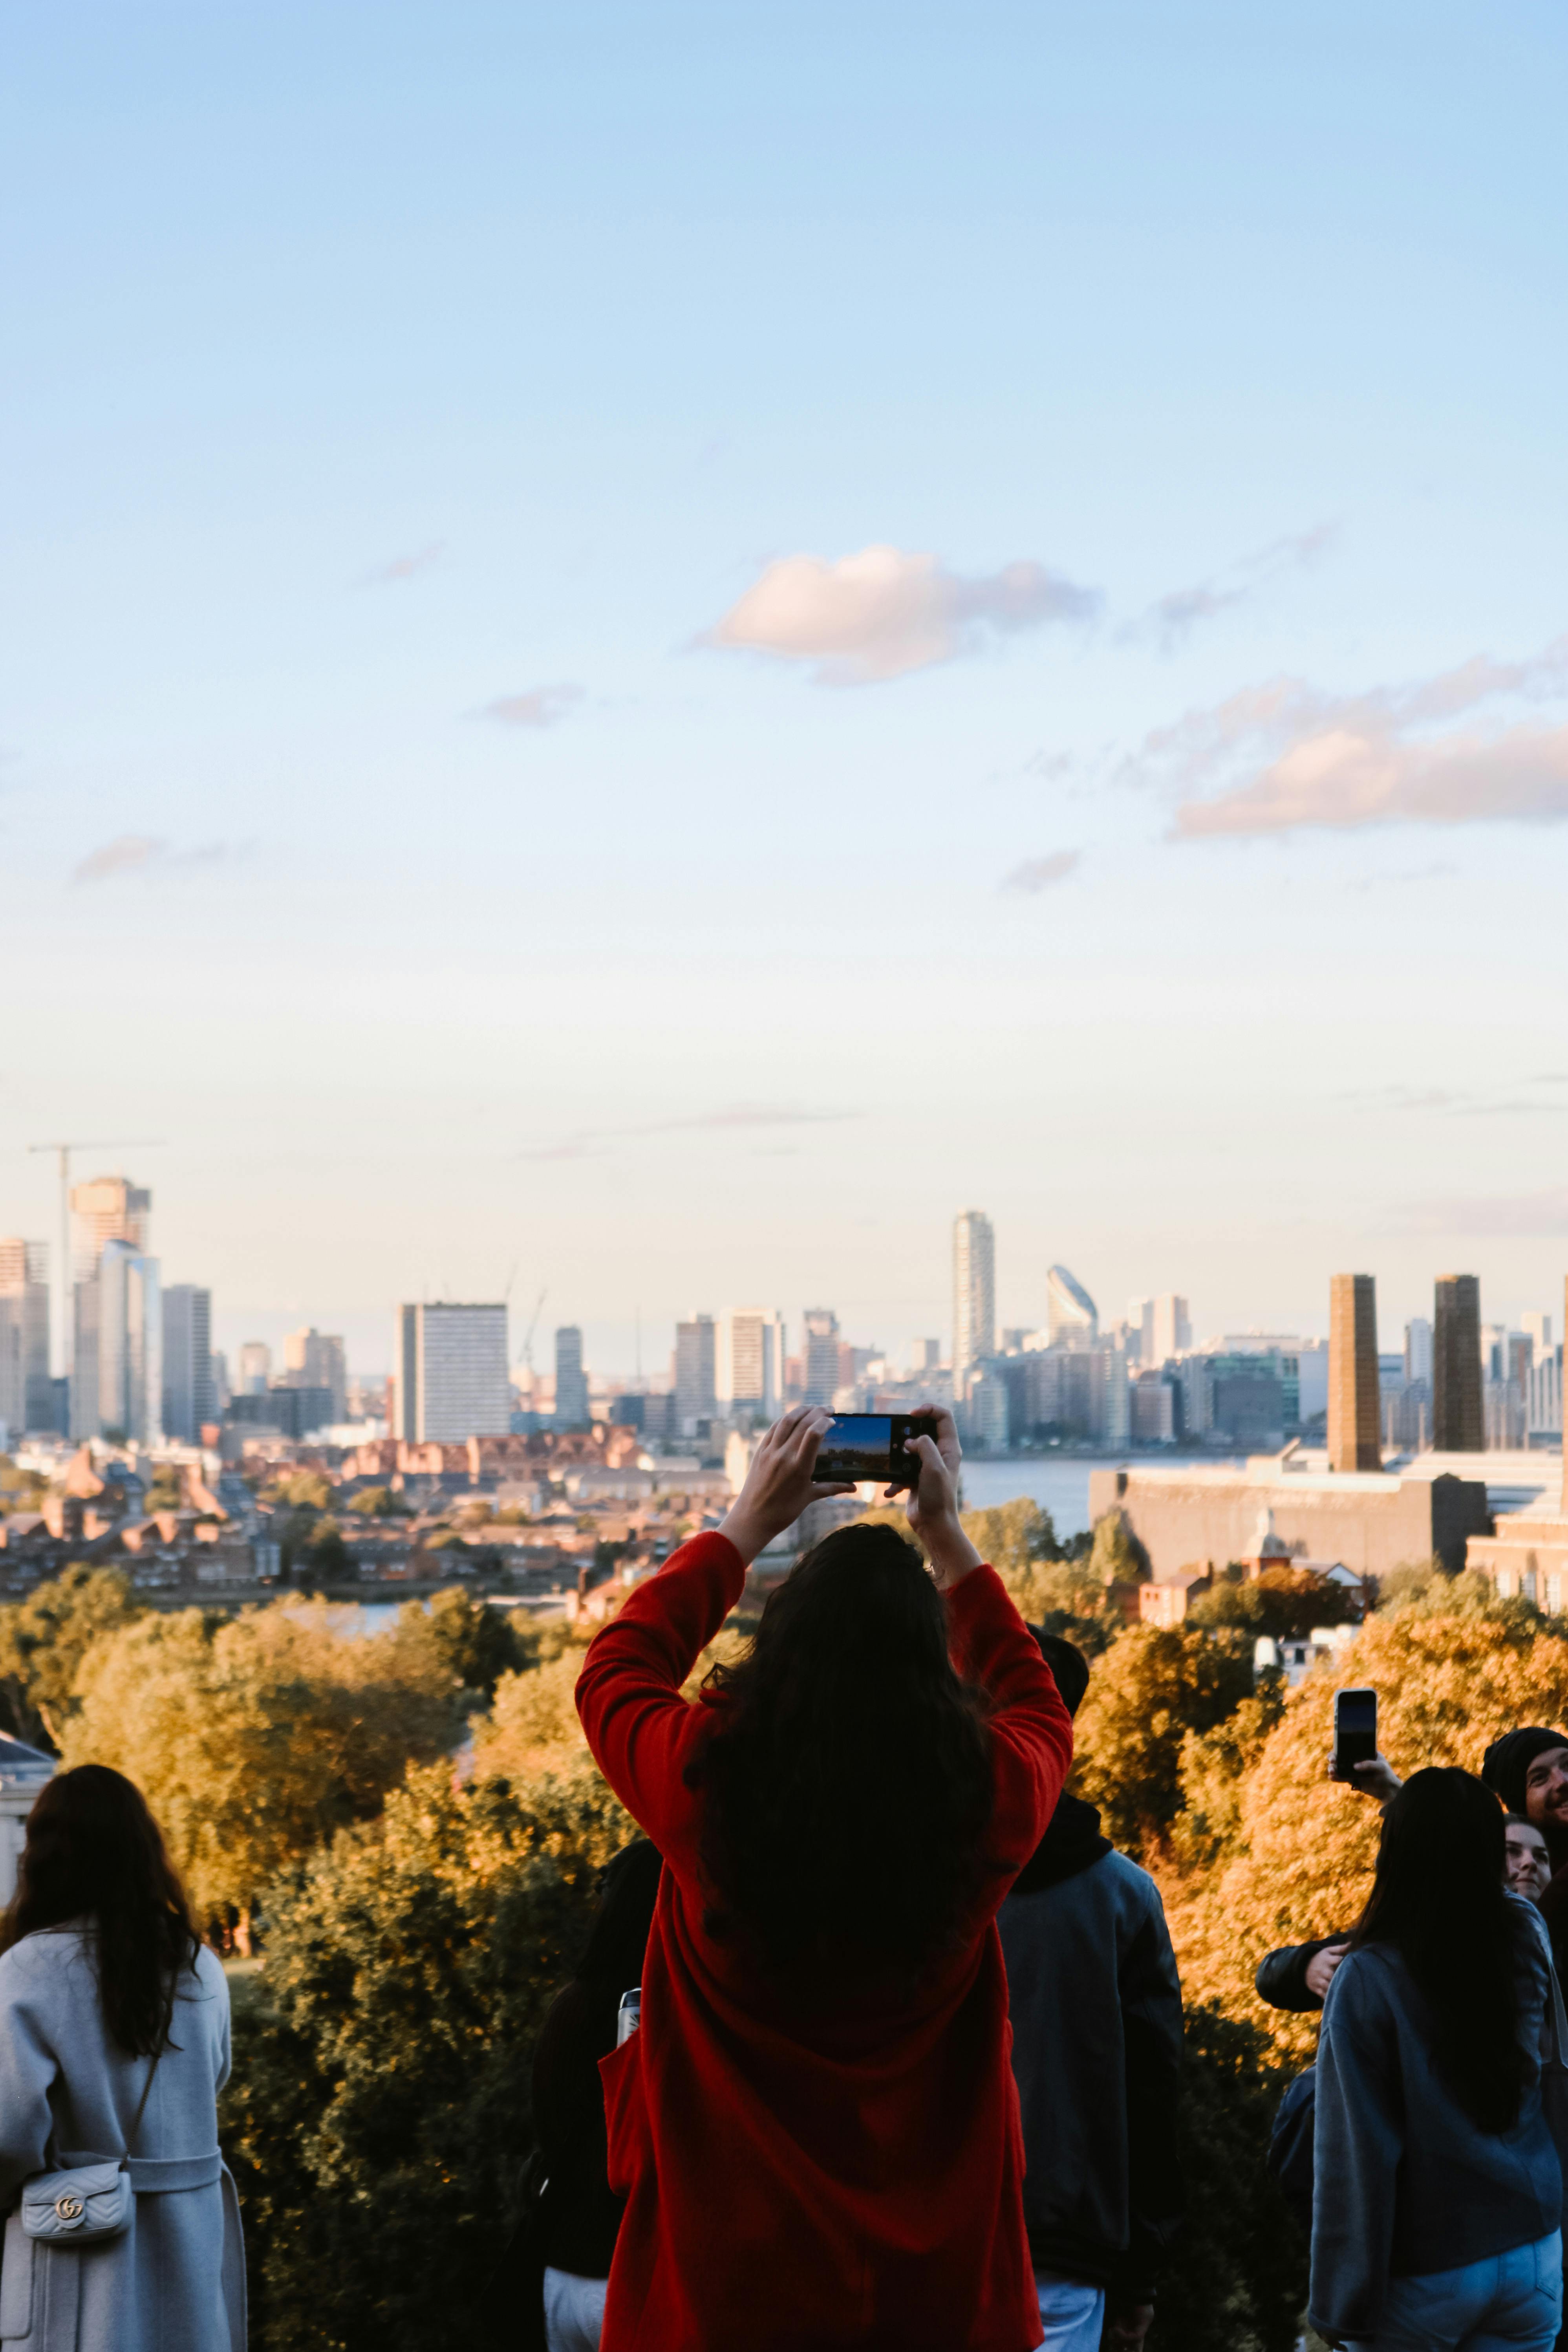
{"x":44,"y":1640}
{"x":1284,"y":1602}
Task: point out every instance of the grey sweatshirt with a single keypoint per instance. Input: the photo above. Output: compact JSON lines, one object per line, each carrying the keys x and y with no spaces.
{"x":1403,"y":2182}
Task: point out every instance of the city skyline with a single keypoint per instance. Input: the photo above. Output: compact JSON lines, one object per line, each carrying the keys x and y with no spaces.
{"x":662,"y":527}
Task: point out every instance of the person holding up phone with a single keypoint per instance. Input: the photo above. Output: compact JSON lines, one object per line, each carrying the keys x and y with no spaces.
{"x":815,"y":2125}
{"x":1436,"y":2194}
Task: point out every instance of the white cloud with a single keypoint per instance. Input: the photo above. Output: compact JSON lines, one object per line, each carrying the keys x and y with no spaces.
{"x":1284,"y":754}
{"x":1038,"y":873}
{"x":406,"y":567}
{"x":1172,"y":619}
{"x":883,"y":613}
{"x":542,"y":706}
{"x":128,"y":853}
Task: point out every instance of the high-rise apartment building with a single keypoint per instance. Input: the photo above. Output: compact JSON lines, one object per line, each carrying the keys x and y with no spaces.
{"x":696,"y":1370}
{"x":1173,"y":1333}
{"x":1537,"y":1330}
{"x":1418,"y":1350}
{"x":751,"y":1360}
{"x":570,"y":1380}
{"x":925,"y":1355}
{"x":1457,"y":1423}
{"x":109,"y":1209}
{"x":189,"y":1392}
{"x":318,"y":1360}
{"x":451,"y":1373}
{"x":819,"y":1355}
{"x":1072,"y":1314}
{"x":1354,"y":1406}
{"x":974,"y":1294}
{"x":27,"y":1392}
{"x":255,"y":1368}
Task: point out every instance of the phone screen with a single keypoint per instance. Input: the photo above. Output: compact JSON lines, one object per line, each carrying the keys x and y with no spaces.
{"x":1355,"y":1730}
{"x":857,"y":1445}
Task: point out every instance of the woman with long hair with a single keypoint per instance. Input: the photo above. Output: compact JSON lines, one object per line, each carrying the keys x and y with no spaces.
{"x":113,"y":2047}
{"x":1437,"y":2196}
{"x":816,"y":2127}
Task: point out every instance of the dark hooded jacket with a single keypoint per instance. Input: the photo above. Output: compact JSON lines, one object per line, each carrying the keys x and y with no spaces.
{"x":1096,"y":2007}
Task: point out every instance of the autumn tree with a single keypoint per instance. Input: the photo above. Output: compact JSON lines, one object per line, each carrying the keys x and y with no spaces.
{"x":1283,"y":1603}
{"x":1297,"y":1861}
{"x":44,"y":1640}
{"x":254,"y":1738}
{"x":475,"y":1643}
{"x":1154,"y":1686}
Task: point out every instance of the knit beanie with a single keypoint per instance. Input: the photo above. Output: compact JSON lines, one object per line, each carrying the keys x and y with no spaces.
{"x":1507,"y":1759}
{"x":1071,"y":1667}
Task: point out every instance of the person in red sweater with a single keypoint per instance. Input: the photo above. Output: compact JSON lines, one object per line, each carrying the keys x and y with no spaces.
{"x":817,"y":2128}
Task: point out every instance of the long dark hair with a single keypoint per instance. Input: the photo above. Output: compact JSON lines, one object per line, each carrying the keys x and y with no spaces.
{"x":847,"y":1782}
{"x":1438,"y":1898}
{"x":95,"y":1853}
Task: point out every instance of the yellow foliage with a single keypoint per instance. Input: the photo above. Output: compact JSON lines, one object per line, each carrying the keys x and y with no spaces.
{"x":253,"y":1740}
{"x":1305,"y":1846}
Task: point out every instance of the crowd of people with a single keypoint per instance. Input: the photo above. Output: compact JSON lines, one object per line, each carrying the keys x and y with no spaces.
{"x":876,"y":2040}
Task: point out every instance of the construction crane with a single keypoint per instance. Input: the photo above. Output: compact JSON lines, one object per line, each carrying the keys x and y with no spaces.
{"x":532,"y":1326}
{"x":115,"y":1143}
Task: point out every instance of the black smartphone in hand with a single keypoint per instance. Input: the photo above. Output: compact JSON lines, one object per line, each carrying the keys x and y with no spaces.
{"x":1356,"y":1731}
{"x":873,"y":1445}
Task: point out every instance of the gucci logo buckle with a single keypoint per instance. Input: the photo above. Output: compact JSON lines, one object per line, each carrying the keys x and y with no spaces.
{"x":69,"y":2208}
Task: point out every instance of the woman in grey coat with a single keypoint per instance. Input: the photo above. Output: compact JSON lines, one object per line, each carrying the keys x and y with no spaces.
{"x":114,"y":2043}
{"x":1437,"y":2193}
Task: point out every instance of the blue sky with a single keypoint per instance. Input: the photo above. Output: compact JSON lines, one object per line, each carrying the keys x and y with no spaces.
{"x":462,"y":788}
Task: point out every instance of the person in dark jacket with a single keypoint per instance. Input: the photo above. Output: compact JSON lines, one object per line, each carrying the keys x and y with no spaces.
{"x":1528,"y":1769}
{"x":1096,"y":2007}
{"x":579,"y":2215}
{"x":1436,"y":2192}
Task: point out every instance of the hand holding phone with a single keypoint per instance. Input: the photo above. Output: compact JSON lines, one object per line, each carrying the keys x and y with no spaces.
{"x":1356,"y":1733}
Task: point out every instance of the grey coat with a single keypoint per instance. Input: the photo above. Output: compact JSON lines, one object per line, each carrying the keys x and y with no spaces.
{"x":1403,"y":2182}
{"x":175,"y":2280}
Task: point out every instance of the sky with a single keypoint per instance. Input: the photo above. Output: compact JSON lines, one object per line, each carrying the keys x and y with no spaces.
{"x":648,"y":647}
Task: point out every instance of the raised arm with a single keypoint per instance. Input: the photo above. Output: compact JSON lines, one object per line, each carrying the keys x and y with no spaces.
{"x":640,"y":1730}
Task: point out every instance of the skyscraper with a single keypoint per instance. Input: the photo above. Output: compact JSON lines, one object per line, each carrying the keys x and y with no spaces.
{"x":129,"y":1344}
{"x":570,"y":1380}
{"x":1457,"y":1423}
{"x":452,"y":1381}
{"x":27,"y":1392}
{"x":109,"y":1209}
{"x":819,"y":1355}
{"x":1072,"y":1314}
{"x":1418,"y":1350}
{"x":255,"y":1368}
{"x":189,"y":1395}
{"x":696,"y":1370}
{"x":317,"y":1359}
{"x":1354,"y":1411}
{"x":974,"y":1294}
{"x":1172,"y":1329}
{"x":750,"y":1366}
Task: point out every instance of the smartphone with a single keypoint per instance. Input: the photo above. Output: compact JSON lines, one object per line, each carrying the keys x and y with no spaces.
{"x":873,"y":1445}
{"x":1355,"y":1730}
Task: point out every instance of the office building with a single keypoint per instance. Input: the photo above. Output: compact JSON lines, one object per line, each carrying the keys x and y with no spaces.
{"x":451,"y":1378}
{"x":1072,"y":1317}
{"x":1537,"y":1330}
{"x":1418,"y":1350}
{"x":819,"y":1355}
{"x":570,"y":1380}
{"x":1457,"y":1423}
{"x":1172,"y":1334}
{"x":1369,"y":1521}
{"x":293,"y":1412}
{"x":109,"y":1209}
{"x":974,"y":1294}
{"x":1355,"y":1411}
{"x":751,"y":1365}
{"x":985,"y":1415}
{"x":695,"y":1372}
{"x":27,"y":1392}
{"x":925,"y":1355}
{"x":189,"y":1392}
{"x":1154,"y":1409}
{"x":318,"y":1360}
{"x":129,"y":1344}
{"x":1140,"y":1330}
{"x":255,"y":1368}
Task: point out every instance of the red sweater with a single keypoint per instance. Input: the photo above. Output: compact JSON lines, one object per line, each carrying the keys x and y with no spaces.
{"x":856,"y":2182}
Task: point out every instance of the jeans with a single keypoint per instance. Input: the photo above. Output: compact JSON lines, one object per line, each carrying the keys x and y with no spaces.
{"x":1509,"y":2303}
{"x":1073,"y":2313}
{"x":573,"y":2311}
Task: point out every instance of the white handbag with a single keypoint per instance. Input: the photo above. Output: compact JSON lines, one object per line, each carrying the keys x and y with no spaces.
{"x":91,"y":2201}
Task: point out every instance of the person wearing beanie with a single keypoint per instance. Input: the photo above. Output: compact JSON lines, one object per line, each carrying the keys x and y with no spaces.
{"x":1096,"y":2006}
{"x":1528,"y":1769}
